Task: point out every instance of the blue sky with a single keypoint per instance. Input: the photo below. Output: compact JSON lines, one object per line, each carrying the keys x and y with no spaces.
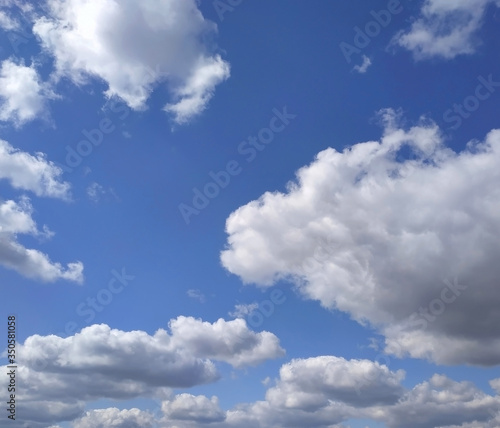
{"x":251,"y":214}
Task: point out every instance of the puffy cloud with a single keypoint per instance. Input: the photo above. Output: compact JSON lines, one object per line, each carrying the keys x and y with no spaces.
{"x":15,"y":218}
{"x":262,"y":414}
{"x":187,"y":407}
{"x":317,"y":392}
{"x":314,"y":392}
{"x":372,"y":234}
{"x":196,"y":294}
{"x":439,"y":402}
{"x":115,"y":418}
{"x":229,"y":341}
{"x":54,"y":376}
{"x":169,"y":43}
{"x":23,"y":96}
{"x":241,"y":311}
{"x":36,"y":174}
{"x":445,"y":29}
{"x":312,"y":383}
{"x":7,"y":22}
{"x":338,"y":390}
{"x":32,"y":172}
{"x":95,"y":191}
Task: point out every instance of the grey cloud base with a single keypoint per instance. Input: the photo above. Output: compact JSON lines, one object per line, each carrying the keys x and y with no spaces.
{"x":322,"y":392}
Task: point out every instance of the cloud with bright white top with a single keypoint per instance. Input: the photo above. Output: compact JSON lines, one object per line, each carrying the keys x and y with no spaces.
{"x":34,"y":173}
{"x":445,"y":29}
{"x":89,"y":39}
{"x":55,"y":385}
{"x":409,"y":245}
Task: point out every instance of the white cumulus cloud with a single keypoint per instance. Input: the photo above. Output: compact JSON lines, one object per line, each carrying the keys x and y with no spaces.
{"x":16,"y":218}
{"x":373,"y":235}
{"x":187,"y":407}
{"x":54,"y":376}
{"x":134,"y":45}
{"x":445,"y":28}
{"x":23,"y":96}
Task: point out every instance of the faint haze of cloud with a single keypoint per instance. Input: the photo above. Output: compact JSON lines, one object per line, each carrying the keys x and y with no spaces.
{"x":167,"y":51}
{"x":196,"y":294}
{"x":183,"y":357}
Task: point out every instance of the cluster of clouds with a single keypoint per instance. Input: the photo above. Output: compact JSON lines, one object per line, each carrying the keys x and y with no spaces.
{"x":395,"y":229}
{"x":60,"y":375}
{"x":172,"y":45}
{"x":35,"y":174}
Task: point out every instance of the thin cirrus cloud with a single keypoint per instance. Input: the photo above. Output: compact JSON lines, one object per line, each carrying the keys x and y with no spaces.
{"x":395,"y":230}
{"x":316,"y":392}
{"x":431,"y":34}
{"x":54,"y":377}
{"x":91,"y":40}
{"x":34,"y":173}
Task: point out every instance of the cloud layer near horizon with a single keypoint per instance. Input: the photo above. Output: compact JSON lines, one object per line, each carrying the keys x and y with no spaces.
{"x":54,"y":375}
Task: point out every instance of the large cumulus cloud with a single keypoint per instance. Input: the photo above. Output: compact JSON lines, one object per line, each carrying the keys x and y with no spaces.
{"x":133,"y":46}
{"x":407,"y":243}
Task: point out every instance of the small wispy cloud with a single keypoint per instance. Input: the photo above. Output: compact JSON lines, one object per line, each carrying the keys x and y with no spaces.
{"x":95,"y":192}
{"x":241,"y":311}
{"x":364,"y":66}
{"x":196,"y":294}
